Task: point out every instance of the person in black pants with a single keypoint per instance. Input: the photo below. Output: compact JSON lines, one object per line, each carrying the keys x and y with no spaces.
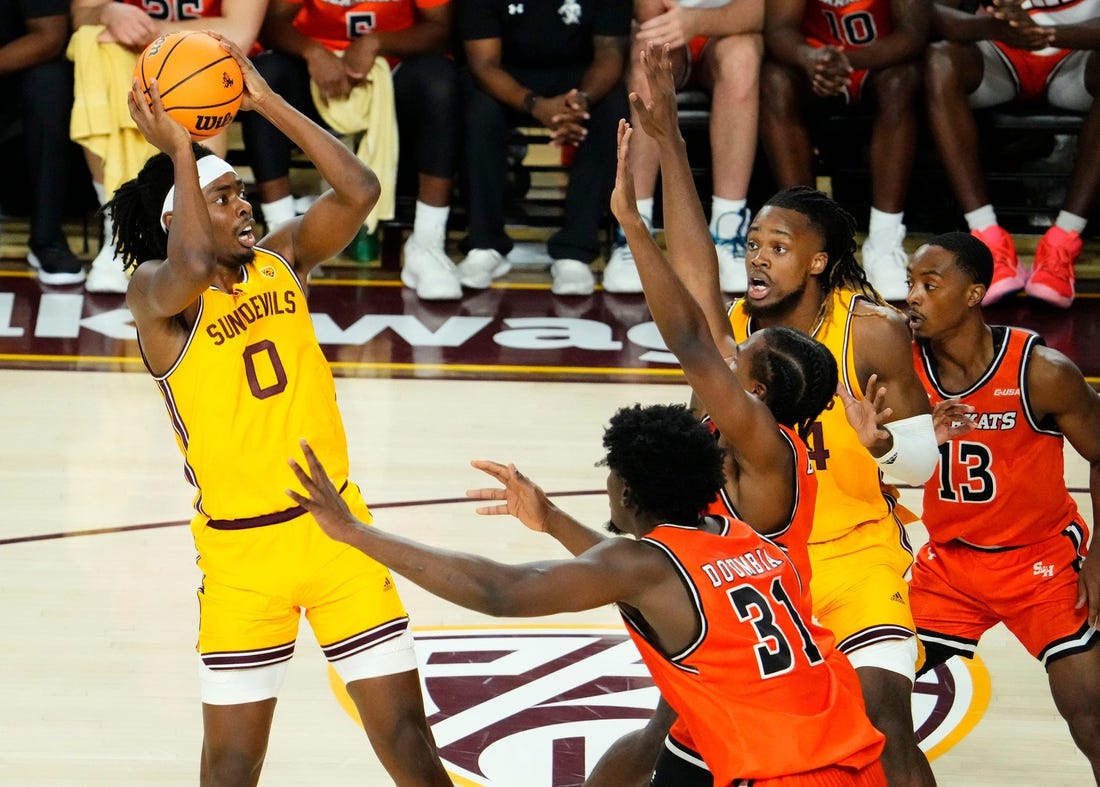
{"x":35,"y":81}
{"x":303,"y":40}
{"x":558,"y":66}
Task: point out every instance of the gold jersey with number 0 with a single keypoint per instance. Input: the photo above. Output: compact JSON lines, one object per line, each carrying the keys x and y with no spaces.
{"x":250,"y":382}
{"x":848,"y":488}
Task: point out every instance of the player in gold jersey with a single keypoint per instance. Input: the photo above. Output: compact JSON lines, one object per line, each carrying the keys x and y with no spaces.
{"x":225,"y":331}
{"x":802,"y":274}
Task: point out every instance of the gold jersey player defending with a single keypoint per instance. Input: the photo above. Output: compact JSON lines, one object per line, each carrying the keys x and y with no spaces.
{"x":802,"y":274}
{"x":224,"y":329}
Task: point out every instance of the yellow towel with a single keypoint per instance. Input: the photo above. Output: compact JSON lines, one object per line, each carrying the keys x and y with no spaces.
{"x":370,"y":108}
{"x":101,"y":121}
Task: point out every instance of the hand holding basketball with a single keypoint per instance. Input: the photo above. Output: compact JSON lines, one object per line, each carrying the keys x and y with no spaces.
{"x":256,"y":88}
{"x":156,"y":125}
{"x":200,"y":82}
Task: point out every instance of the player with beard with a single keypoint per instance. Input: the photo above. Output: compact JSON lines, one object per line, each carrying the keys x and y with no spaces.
{"x":802,"y":274}
{"x":224,"y":329}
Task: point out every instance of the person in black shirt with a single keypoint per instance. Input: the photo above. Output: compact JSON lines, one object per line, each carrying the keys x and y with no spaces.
{"x":560,"y":63}
{"x":35,"y":81}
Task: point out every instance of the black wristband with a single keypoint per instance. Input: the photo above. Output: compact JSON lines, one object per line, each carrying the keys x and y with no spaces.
{"x":529,"y":101}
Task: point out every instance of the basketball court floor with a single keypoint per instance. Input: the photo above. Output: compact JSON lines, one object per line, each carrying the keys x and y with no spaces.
{"x":97,"y":668}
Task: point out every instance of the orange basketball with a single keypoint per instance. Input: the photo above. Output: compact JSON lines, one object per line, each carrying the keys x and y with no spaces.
{"x":200,"y":83}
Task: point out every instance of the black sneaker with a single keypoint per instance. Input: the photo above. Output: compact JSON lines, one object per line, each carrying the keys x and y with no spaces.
{"x":56,"y":265}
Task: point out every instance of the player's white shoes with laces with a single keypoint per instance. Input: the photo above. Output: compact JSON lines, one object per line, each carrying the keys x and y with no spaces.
{"x":429,"y":271}
{"x":885,"y":262}
{"x":481,"y":266}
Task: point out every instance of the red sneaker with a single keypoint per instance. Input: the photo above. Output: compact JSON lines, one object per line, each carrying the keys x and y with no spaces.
{"x":1052,"y":279}
{"x":1008,"y":276}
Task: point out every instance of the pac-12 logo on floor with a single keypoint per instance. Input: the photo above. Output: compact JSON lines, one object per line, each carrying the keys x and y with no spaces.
{"x":539,"y":706}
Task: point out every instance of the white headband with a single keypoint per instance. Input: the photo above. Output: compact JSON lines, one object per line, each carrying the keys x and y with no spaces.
{"x":210,"y":169}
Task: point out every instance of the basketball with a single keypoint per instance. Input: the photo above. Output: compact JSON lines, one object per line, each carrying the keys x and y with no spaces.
{"x":200,"y":84}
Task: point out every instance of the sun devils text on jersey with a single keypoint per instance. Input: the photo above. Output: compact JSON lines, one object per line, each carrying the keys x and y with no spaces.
{"x":257,"y":341}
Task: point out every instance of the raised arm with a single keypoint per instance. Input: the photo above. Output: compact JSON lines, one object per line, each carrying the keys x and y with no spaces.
{"x":1057,"y":387}
{"x":764,"y":462}
{"x":333,"y":220}
{"x":161,"y":290}
{"x":687,"y":236}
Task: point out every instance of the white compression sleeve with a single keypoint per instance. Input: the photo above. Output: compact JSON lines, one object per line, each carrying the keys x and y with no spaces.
{"x":913,"y":458}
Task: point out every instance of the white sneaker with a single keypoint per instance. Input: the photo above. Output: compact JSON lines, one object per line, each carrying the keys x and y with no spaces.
{"x":480,"y":267}
{"x":571,"y":277}
{"x":106,"y":274}
{"x":428,"y":270}
{"x":621,"y":273}
{"x":732,"y":275}
{"x":885,"y":261}
{"x":730,"y":242}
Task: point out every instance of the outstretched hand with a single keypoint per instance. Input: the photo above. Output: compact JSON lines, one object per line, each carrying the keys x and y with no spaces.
{"x":324,"y":501}
{"x":522,"y":497}
{"x":951,"y":418}
{"x":660,"y":118}
{"x":867,"y":415}
{"x":624,"y":205}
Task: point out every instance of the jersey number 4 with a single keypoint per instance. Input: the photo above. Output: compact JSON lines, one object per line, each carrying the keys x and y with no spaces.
{"x":774,"y":654}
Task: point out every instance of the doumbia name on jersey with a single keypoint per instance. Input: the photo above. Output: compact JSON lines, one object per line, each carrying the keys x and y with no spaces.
{"x":731,"y":569}
{"x":263,"y":304}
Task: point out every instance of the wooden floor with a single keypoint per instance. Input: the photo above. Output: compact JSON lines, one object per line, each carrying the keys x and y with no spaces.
{"x":99,"y":685}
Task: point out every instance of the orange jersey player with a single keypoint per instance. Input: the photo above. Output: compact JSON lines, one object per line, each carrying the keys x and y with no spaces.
{"x":753,"y":628}
{"x":713,"y":606}
{"x":1006,"y":541}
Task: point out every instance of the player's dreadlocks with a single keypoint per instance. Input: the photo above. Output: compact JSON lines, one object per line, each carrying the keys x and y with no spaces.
{"x":669,"y":459}
{"x":837,"y":229}
{"x":135,"y":210}
{"x":799,"y":374}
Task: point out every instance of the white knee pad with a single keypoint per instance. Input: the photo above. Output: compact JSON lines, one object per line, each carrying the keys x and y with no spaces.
{"x":386,"y":658}
{"x":895,"y":655}
{"x":238,"y":686}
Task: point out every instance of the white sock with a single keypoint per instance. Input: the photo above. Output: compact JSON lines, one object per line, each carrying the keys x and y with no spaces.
{"x":981,"y":219}
{"x":884,"y":224}
{"x":100,"y":192}
{"x":645,"y":207}
{"x":430,"y":222}
{"x":278,"y":212}
{"x":1070,"y":222}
